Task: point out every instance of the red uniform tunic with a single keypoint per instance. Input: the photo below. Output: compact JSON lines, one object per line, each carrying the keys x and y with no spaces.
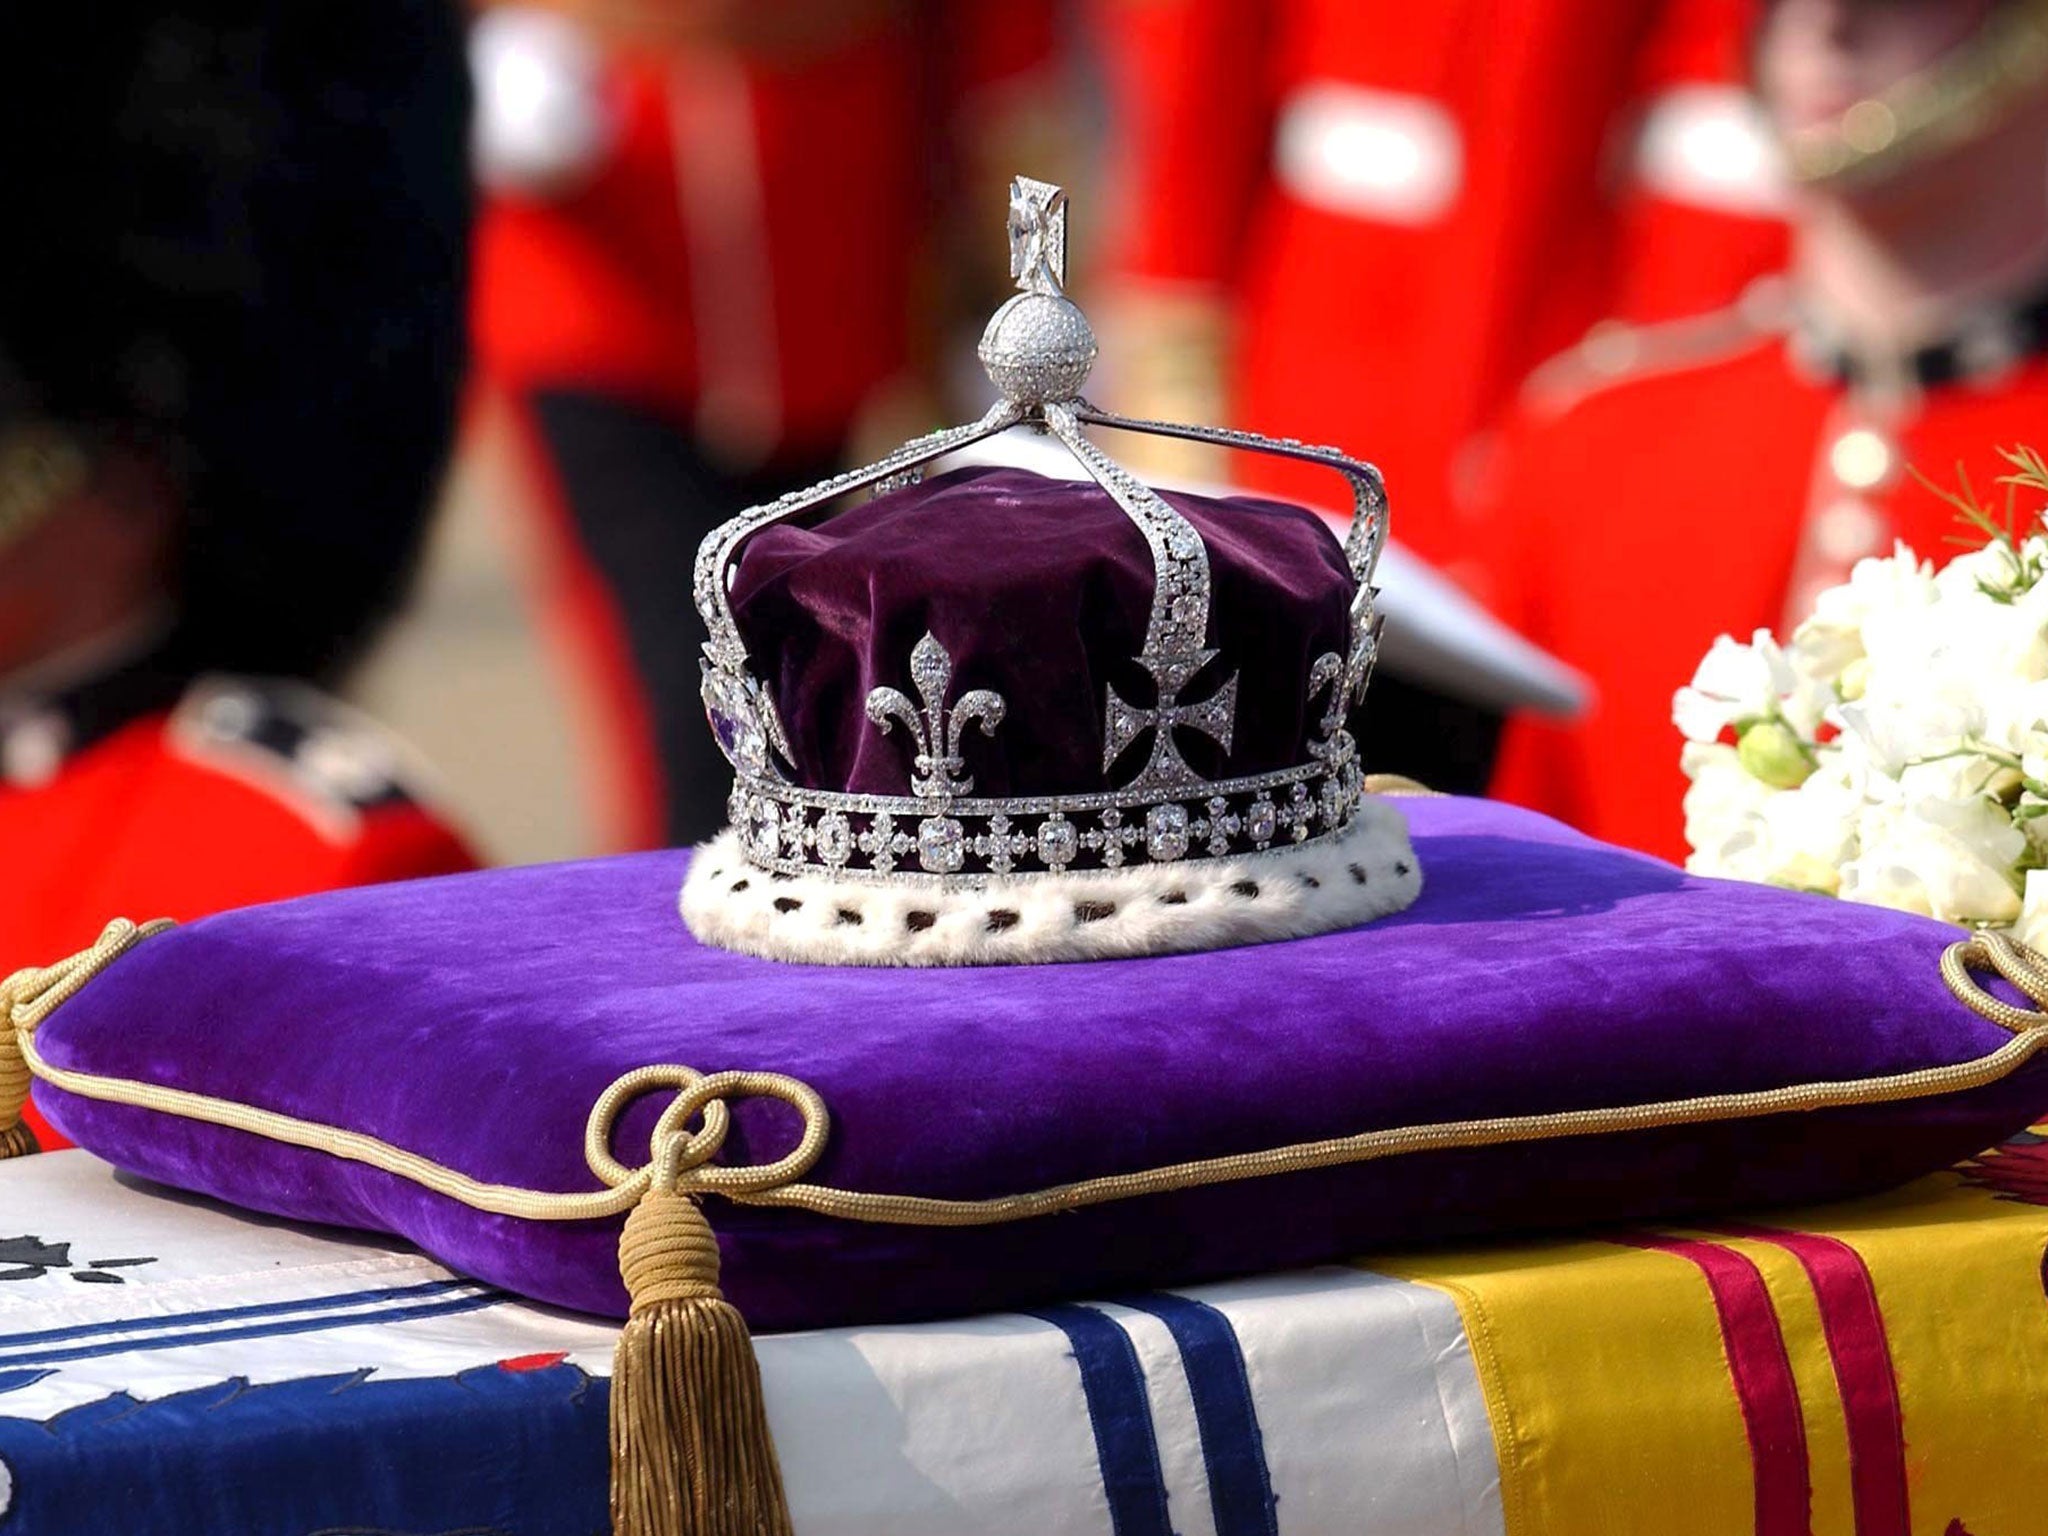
{"x":1667,"y":485}
{"x":732,"y":268}
{"x":1702,"y":206}
{"x":1406,"y":206}
{"x":243,"y":792}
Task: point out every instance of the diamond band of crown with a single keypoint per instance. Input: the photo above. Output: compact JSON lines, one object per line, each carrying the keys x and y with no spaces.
{"x":965,"y":842}
{"x":1038,"y":349}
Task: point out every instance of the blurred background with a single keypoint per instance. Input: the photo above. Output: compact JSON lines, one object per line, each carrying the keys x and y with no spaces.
{"x":369,"y":374}
{"x":736,"y":253}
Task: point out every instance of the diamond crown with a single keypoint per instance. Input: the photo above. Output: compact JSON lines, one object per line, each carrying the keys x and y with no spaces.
{"x":1038,"y":350}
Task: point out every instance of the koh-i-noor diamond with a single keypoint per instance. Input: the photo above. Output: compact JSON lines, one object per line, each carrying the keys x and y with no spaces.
{"x":1166,"y":832}
{"x":941,"y":845}
{"x":1058,"y":842}
{"x":1038,"y":351}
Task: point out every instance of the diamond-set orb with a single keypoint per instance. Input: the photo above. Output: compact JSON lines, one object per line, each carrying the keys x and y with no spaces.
{"x":1038,"y":347}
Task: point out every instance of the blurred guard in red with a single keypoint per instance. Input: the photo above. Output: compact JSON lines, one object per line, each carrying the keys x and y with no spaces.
{"x":1670,"y":483}
{"x":1397,"y":210}
{"x":711,"y":226}
{"x":1702,"y":196}
{"x":229,"y":349}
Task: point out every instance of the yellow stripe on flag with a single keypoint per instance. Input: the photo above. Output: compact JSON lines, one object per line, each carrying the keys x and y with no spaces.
{"x":1577,"y":1346}
{"x":1958,"y":1275}
{"x":1629,"y":1396}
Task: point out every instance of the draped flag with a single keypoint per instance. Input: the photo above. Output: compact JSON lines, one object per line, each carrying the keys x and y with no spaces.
{"x":1878,"y":1368}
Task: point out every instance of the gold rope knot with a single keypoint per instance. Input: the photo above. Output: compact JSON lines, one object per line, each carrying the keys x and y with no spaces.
{"x":30,"y":996}
{"x":2022,"y":966}
{"x":680,"y":1158}
{"x":667,"y":1251}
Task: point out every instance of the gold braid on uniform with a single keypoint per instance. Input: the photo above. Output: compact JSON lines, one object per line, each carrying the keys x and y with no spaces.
{"x":39,"y":467}
{"x":1951,"y":102}
{"x":691,"y":1451}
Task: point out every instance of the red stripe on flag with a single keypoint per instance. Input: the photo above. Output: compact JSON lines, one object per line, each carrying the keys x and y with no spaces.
{"x":1854,"y":1326}
{"x":1761,"y":1369}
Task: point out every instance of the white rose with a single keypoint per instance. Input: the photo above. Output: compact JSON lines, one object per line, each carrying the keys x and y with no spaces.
{"x":1967,"y":634}
{"x":1734,"y":682}
{"x":1803,"y":840}
{"x":1959,"y":778}
{"x":1829,"y":641}
{"x":1897,"y":728}
{"x":1824,"y":652}
{"x":2016,"y":715}
{"x":1718,"y":805}
{"x":2032,"y":926}
{"x":1896,"y":583}
{"x":1740,"y":829}
{"x":1950,"y":859}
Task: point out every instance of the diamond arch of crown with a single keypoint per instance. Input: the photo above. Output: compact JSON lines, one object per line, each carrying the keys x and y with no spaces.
{"x":1038,"y":349}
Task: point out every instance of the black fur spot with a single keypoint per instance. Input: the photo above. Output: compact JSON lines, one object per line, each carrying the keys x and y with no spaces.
{"x":918,"y":921}
{"x":846,"y":917}
{"x":1248,"y":889}
{"x":1002,"y":918}
{"x":1093,"y":911}
{"x":740,"y":885}
{"x":1174,"y":899}
{"x":787,"y":903}
{"x":1401,"y":869}
{"x":1358,"y":875}
{"x":779,"y":875}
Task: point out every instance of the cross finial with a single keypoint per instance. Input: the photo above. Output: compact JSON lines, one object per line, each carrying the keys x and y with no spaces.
{"x":1038,"y":235}
{"x":1214,"y":717}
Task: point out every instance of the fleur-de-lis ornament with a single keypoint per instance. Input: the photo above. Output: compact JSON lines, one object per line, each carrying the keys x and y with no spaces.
{"x":1345,"y":677}
{"x":937,"y":770}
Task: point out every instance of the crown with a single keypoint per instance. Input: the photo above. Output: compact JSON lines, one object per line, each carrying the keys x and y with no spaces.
{"x":1152,"y":683}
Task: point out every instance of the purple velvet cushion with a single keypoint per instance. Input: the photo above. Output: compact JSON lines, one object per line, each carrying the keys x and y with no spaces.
{"x":474,"y":1020}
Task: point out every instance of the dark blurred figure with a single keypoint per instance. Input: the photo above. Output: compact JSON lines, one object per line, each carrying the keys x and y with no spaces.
{"x":713,"y":227}
{"x":230,"y":334}
{"x":1669,"y":484}
{"x":1363,"y":223}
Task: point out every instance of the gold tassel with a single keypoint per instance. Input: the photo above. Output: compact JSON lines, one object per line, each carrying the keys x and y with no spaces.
{"x":691,"y":1453}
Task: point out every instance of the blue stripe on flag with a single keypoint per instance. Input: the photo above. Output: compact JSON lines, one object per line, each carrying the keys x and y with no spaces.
{"x":1113,"y":1384}
{"x":1233,"y":1449}
{"x":228,"y":1314}
{"x":312,"y":1324}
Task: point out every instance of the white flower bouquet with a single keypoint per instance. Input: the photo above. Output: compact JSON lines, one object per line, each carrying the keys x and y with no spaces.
{"x":1895,"y":750}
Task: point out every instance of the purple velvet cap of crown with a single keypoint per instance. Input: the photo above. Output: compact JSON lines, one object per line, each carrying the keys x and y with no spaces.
{"x":1040,"y":590}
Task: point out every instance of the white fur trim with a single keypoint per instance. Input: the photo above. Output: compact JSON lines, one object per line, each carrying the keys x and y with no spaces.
{"x":1152,"y":909}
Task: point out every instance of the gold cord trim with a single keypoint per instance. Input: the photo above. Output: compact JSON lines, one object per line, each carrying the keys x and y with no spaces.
{"x":1398,"y":786}
{"x":681,"y":1157}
